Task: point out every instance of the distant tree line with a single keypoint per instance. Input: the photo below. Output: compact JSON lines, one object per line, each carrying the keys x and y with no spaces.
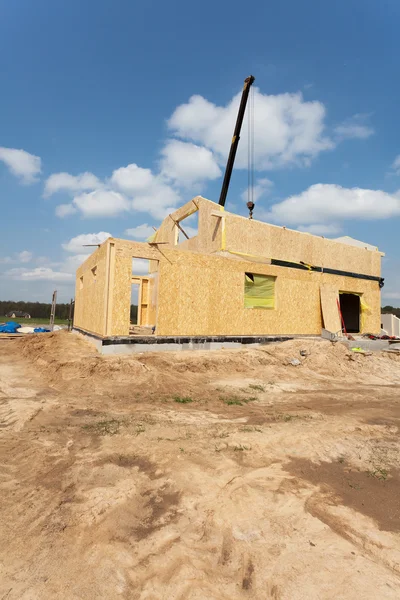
{"x":391,"y":310}
{"x":41,"y":310}
{"x":37,"y":310}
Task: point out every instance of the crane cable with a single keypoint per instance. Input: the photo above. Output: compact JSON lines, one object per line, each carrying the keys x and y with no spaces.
{"x":250,"y":154}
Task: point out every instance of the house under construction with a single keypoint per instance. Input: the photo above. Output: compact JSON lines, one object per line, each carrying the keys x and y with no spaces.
{"x":236,"y":277}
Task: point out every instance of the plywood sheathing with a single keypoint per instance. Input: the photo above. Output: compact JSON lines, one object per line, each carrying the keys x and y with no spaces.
{"x":90,"y":296}
{"x":200,"y":295}
{"x":197,"y":287}
{"x":208,"y":238}
{"x":330,"y":308}
{"x":255,"y":237}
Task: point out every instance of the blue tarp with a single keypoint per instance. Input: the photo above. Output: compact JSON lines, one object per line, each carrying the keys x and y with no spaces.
{"x":41,"y":330}
{"x":9,"y":327}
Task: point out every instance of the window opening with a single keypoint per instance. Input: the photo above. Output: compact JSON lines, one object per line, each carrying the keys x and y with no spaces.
{"x":259,"y":291}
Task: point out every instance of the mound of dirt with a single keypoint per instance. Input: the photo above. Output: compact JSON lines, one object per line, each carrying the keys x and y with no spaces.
{"x":73,"y":360}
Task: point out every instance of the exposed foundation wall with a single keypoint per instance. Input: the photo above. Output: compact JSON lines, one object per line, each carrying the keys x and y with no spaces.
{"x":91,"y":292}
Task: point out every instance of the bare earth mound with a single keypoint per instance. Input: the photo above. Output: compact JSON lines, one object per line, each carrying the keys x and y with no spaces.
{"x":223,"y":475}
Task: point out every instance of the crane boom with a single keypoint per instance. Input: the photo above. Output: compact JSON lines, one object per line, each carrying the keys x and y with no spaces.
{"x":235,"y":140}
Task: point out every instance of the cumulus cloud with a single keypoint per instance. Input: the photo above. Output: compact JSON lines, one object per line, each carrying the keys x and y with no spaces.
{"x":19,"y":257}
{"x":79,"y":243}
{"x":39,"y":274}
{"x":287,"y":129}
{"x":25,"y":256}
{"x":65,"y":210}
{"x":132,"y":179}
{"x":261,"y":188}
{"x":187,"y":164}
{"x":355,"y":127}
{"x":72,"y":262}
{"x":396,"y":165}
{"x":140,"y":266}
{"x":323,"y":203}
{"x":321,"y":229}
{"x":5,"y":260}
{"x":71,"y":183}
{"x":22,"y":164}
{"x":141,"y":232}
{"x":101,"y":203}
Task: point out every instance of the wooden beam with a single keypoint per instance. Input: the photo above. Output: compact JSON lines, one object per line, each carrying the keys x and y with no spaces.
{"x":179,"y":227}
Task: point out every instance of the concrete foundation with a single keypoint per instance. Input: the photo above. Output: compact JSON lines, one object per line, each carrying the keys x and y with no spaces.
{"x":154,"y":343}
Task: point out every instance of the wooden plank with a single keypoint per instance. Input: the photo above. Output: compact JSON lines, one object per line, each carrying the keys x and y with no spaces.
{"x":329,"y":305}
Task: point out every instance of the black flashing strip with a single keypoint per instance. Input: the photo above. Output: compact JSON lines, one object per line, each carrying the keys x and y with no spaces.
{"x":185,"y":339}
{"x":303,"y":267}
{"x":195,"y":340}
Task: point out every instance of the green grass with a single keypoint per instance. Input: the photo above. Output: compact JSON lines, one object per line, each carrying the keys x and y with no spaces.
{"x":238,"y":401}
{"x":183,"y":400}
{"x":34,"y":321}
{"x":257,"y":388}
{"x":380,"y":474}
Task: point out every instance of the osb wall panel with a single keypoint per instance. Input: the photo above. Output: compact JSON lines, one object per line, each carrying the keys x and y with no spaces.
{"x":209,"y":227}
{"x":90,"y":299}
{"x":121,"y":293}
{"x":330,"y":309}
{"x":200,"y":295}
{"x":256,"y":237}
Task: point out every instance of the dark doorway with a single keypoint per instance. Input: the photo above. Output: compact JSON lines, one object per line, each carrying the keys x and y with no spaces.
{"x":350,"y":308}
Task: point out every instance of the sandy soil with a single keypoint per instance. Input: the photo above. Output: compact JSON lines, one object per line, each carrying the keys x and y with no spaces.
{"x":222,"y":475}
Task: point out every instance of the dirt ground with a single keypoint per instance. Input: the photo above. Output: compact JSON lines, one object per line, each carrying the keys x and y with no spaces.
{"x":224,"y":475}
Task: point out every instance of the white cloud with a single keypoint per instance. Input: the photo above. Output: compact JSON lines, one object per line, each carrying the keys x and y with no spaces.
{"x":328,"y":202}
{"x":65,"y":210}
{"x":132,"y":179}
{"x":355,"y":127}
{"x":261,"y":188}
{"x":287,"y":129}
{"x":130,"y":188}
{"x":76,"y":245}
{"x":19,"y":257}
{"x":396,"y":165}
{"x":101,"y":203}
{"x":158,"y":201}
{"x":147,"y":192}
{"x":186,"y":163}
{"x":321,"y":229}
{"x":140,"y":266}
{"x":39,"y":274}
{"x":72,"y":262}
{"x":391,"y":295}
{"x":21,"y":164}
{"x":141,"y":232}
{"x":24,"y":256}
{"x":71,"y":183}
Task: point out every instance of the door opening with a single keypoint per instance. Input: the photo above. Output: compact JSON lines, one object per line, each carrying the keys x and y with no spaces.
{"x":134,"y":304}
{"x":350,"y":309}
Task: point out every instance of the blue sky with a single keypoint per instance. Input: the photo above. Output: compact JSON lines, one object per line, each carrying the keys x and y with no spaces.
{"x":117,"y":112}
